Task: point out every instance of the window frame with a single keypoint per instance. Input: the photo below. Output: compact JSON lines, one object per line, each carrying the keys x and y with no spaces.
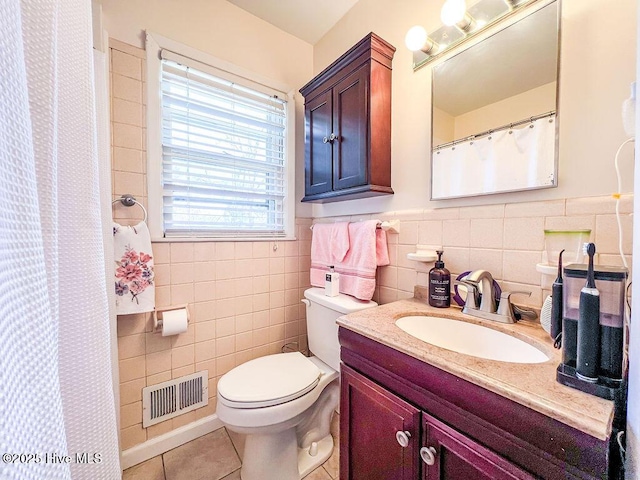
{"x":154,"y":44}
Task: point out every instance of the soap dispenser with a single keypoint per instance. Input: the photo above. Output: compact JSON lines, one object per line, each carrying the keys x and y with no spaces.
{"x":439,"y":284}
{"x":331,"y":283}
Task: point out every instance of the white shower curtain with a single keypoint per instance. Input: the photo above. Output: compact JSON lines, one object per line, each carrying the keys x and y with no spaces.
{"x":56,"y":392}
{"x":512,"y":159}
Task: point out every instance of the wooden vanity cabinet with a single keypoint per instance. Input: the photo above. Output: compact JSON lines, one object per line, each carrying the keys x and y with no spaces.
{"x":456,"y":456}
{"x":468,"y":432}
{"x":378,"y":421}
{"x":348,"y":125}
{"x":370,"y":419}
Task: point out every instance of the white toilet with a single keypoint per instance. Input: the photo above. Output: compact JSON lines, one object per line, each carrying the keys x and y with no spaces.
{"x":283,"y":403}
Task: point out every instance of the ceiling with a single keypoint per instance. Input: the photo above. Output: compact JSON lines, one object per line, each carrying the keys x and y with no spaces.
{"x":308,"y":20}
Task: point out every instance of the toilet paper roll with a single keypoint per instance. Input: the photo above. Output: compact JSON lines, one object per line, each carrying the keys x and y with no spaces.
{"x":174,"y":322}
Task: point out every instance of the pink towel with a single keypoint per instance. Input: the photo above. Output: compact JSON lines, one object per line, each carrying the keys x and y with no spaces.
{"x":382,"y":251}
{"x":330,"y":242}
{"x":339,"y":241}
{"x":321,"y":243}
{"x":367,"y":251}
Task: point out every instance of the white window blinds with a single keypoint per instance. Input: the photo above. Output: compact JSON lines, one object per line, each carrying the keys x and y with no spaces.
{"x":223,"y":154}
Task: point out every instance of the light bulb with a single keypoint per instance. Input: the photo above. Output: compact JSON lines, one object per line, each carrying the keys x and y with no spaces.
{"x":453,"y":11}
{"x":416,"y":38}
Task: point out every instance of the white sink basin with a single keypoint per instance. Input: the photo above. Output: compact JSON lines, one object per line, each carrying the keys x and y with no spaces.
{"x":470,"y":339}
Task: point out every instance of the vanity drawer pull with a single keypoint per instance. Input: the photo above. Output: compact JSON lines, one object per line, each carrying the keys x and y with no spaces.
{"x":428,"y":455}
{"x":403,"y":438}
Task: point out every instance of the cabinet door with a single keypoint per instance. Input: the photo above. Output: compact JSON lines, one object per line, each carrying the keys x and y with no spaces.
{"x":453,"y":456}
{"x":370,"y":419}
{"x":351,"y":127}
{"x":318,"y":151}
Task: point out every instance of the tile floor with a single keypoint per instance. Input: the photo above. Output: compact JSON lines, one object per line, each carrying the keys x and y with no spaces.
{"x":215,"y":457}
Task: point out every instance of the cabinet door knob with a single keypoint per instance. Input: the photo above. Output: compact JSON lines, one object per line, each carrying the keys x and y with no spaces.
{"x":332,"y":137}
{"x":403,"y":438}
{"x":325,"y":139}
{"x":428,"y":455}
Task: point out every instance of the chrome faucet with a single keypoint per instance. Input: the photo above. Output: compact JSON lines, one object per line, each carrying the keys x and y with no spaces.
{"x":483,"y":282}
{"x":484,"y":306}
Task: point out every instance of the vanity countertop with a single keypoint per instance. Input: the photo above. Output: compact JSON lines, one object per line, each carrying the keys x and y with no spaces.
{"x":532,"y":385}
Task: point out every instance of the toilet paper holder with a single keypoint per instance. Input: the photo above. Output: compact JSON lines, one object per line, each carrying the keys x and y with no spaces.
{"x":158,"y":315}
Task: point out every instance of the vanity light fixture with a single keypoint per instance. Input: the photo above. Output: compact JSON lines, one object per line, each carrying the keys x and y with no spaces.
{"x":453,"y":11}
{"x":418,"y":40}
{"x":415,"y":38}
{"x":460,"y":22}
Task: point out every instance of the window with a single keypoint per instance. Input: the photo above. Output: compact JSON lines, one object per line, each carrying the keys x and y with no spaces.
{"x":220,"y":158}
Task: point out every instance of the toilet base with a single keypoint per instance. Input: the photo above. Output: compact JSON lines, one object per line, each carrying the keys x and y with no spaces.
{"x":270,"y":456}
{"x":271,"y":463}
{"x":289,"y":440}
{"x":307,"y":462}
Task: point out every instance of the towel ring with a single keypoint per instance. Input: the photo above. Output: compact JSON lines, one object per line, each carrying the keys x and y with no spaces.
{"x":129,"y":201}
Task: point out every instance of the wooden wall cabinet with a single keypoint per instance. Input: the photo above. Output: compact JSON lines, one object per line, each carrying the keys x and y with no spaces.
{"x":404,"y":419}
{"x":348,"y":125}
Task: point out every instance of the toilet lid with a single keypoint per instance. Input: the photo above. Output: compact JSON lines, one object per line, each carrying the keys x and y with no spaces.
{"x":268,"y":381}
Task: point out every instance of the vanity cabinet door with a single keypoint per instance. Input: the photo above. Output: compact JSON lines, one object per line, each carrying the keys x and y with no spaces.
{"x":374,"y":426}
{"x":449,"y":455}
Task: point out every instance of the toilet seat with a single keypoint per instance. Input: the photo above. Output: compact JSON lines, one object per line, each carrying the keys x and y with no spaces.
{"x":268,"y":381}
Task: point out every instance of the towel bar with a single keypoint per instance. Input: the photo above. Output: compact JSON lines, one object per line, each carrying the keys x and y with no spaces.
{"x":392,"y":226}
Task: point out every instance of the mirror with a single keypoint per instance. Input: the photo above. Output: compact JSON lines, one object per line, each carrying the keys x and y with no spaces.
{"x":494,"y":126}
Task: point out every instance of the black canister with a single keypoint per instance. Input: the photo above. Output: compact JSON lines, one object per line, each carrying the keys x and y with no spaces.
{"x":588,"y":358}
{"x":610,"y":282}
{"x":612,"y":302}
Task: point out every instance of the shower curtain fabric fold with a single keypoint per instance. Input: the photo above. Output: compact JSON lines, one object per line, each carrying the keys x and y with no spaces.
{"x":56,"y":394}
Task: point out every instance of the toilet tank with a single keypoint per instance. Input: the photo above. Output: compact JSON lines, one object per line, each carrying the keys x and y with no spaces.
{"x":322,"y":330}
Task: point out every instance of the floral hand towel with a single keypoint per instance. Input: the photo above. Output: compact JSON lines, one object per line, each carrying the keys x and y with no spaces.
{"x":134,"y":281}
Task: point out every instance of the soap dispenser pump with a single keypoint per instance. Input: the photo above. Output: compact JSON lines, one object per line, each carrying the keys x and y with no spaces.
{"x":439,"y":284}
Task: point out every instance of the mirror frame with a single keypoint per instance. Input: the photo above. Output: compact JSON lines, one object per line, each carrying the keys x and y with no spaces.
{"x":505,"y":23}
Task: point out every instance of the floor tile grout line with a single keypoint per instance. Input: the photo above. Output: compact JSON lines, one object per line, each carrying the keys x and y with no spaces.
{"x":234,"y":446}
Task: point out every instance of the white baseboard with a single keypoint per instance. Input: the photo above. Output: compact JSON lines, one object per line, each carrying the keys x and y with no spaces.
{"x":169,"y":440}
